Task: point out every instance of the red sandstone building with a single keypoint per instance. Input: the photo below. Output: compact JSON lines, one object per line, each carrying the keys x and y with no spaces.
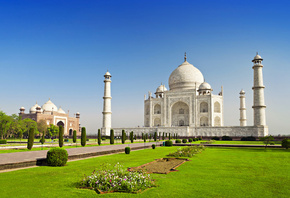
{"x":53,"y":115}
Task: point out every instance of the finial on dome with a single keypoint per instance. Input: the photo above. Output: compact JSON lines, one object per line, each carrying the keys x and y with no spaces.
{"x":185,"y":57}
{"x":257,"y":53}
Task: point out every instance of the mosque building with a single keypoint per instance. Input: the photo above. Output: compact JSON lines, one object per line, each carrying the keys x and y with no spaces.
{"x":53,"y":115}
{"x":190,"y":108}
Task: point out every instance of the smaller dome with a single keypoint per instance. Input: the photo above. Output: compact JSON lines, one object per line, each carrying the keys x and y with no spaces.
{"x":257,"y":57}
{"x":22,"y":108}
{"x":242,"y":92}
{"x":205,"y":86}
{"x":107,"y":73}
{"x":161,"y":89}
{"x":60,"y":110}
{"x":78,"y":113}
{"x":33,"y":108}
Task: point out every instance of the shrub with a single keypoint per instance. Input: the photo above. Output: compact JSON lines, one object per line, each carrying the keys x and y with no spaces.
{"x":132,"y":136}
{"x":286,"y":143}
{"x":155,"y":136}
{"x":30,"y":138}
{"x":112,"y":136}
{"x":188,"y":151}
{"x":215,"y":138}
{"x":104,"y":138}
{"x":177,"y":141}
{"x":66,"y":139}
{"x":60,"y":136}
{"x":168,"y":143}
{"x":249,"y":138}
{"x":74,"y":136}
{"x":104,"y":179}
{"x":56,"y":157}
{"x":99,"y":137}
{"x":88,"y":139}
{"x":184,"y":140}
{"x":153,"y":146}
{"x":83,"y":137}
{"x":226,"y":138}
{"x":3,"y":141}
{"x":123,"y":136}
{"x":42,"y":139}
{"x":127,"y":150}
{"x":190,"y":140}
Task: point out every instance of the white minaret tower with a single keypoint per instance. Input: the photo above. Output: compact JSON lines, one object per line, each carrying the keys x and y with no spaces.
{"x":107,"y":113}
{"x":258,"y":92}
{"x":243,"y":116}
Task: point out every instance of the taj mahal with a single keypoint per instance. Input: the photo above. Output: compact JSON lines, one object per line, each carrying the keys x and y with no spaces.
{"x":190,"y":108}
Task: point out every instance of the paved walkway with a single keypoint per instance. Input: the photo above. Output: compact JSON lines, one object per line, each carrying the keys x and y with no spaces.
{"x":30,"y":156}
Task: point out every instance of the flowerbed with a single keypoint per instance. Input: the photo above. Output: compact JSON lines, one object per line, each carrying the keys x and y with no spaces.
{"x":117,"y":179}
{"x":187,"y":151}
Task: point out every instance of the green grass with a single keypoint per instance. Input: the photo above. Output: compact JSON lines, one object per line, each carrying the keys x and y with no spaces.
{"x":235,"y":142}
{"x":217,"y":172}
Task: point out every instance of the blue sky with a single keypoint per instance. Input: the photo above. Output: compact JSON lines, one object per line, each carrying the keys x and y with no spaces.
{"x":61,"y":50}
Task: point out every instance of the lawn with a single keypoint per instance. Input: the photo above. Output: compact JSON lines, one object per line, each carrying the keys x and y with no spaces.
{"x":235,"y":142}
{"x":217,"y":172}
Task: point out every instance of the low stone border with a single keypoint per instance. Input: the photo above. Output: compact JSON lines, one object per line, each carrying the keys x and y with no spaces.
{"x":230,"y":145}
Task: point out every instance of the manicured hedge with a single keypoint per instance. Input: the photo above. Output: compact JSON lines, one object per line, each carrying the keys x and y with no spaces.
{"x":74,"y":136}
{"x":153,"y":146}
{"x":83,"y":137}
{"x":215,"y":138}
{"x":30,"y":138}
{"x":190,"y":140}
{"x":3,"y":141}
{"x":184,"y":140}
{"x":168,"y":143}
{"x":112,"y":136}
{"x":60,"y":136}
{"x":286,"y":143}
{"x":177,"y":141}
{"x":226,"y":138}
{"x":249,"y":138}
{"x":127,"y":150}
{"x":99,"y":137}
{"x":56,"y":157}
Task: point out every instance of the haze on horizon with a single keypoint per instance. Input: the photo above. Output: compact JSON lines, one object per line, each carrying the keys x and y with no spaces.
{"x":61,"y":50}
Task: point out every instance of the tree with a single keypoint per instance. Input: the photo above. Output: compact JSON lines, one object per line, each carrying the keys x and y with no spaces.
{"x":163,"y":136}
{"x":99,"y":137}
{"x":74,"y":136}
{"x":169,"y":136}
{"x":286,"y":143}
{"x":131,"y":136}
{"x":52,"y":130}
{"x":155,"y":136}
{"x":41,"y":126}
{"x":142,"y":136}
{"x":60,"y":136}
{"x":267,"y":140}
{"x":29,"y":123}
{"x":112,"y":136}
{"x":123,"y":136}
{"x":30,"y":138}
{"x":83,"y":137}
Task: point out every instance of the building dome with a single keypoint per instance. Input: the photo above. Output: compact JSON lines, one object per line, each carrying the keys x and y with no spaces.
{"x":33,"y":108}
{"x":242,"y":92}
{"x":22,"y":108}
{"x":49,"y":106}
{"x":161,"y":89}
{"x":185,"y":76}
{"x":204,"y":86}
{"x":107,"y":73}
{"x":60,"y":110}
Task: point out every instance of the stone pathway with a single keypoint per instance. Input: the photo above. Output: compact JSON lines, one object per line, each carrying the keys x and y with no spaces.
{"x":30,"y":158}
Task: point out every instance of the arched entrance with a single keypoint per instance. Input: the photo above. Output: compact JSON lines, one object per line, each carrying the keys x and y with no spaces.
{"x":180,"y":114}
{"x":70,"y":132}
{"x":60,"y":123}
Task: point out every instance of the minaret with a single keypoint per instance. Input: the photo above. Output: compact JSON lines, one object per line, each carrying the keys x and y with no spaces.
{"x":243,"y":117}
{"x":258,"y":92}
{"x":107,"y":113}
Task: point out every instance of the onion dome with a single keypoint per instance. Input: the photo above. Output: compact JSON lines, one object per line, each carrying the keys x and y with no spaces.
{"x":257,"y":58}
{"x":205,"y":86}
{"x":49,"y":106}
{"x":161,"y":89}
{"x":22,"y":108}
{"x":185,"y":76}
{"x":242,"y":92}
{"x":60,"y":110}
{"x":107,"y":74}
{"x":33,"y":108}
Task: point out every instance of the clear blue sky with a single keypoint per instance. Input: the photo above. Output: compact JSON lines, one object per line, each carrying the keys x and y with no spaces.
{"x":61,"y":50}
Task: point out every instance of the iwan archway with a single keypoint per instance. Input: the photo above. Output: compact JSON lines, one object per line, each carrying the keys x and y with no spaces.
{"x":180,"y":114}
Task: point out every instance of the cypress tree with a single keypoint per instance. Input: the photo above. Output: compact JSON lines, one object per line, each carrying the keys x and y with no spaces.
{"x":123,"y":136}
{"x":99,"y":137}
{"x":142,"y":135}
{"x":150,"y":137}
{"x":112,"y":136}
{"x":155,"y":136}
{"x":30,"y":138}
{"x":132,"y":137}
{"x":83,"y":137}
{"x":135,"y":137}
{"x":169,"y":136}
{"x":74,"y":136}
{"x":163,"y":136}
{"x":60,"y":136}
{"x":144,"y":138}
{"x":159,"y":135}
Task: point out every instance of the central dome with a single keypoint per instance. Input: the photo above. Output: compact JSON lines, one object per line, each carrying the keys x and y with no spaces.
{"x":185,"y":76}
